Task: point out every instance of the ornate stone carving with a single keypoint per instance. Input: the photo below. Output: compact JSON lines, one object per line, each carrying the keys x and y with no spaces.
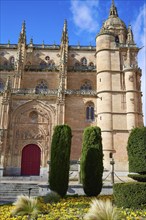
{"x":29,"y":134}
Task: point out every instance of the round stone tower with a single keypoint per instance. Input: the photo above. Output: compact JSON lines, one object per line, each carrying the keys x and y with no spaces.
{"x":115,"y":110}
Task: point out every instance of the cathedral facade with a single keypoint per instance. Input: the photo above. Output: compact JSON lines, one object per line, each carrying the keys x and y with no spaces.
{"x":42,"y":86}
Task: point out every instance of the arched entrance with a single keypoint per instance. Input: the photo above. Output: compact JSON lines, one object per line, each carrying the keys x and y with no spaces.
{"x":30,"y":162}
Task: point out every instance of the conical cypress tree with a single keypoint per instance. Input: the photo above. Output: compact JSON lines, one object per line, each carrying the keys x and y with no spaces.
{"x":92,"y":161}
{"x":60,"y":159}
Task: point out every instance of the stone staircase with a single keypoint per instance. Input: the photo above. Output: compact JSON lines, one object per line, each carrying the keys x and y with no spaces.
{"x":10,"y":191}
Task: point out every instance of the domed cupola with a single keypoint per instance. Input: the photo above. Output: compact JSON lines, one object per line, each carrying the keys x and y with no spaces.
{"x":115,"y":25}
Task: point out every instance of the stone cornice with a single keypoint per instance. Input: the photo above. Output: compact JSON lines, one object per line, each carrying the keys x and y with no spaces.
{"x":119,"y":113}
{"x":49,"y":47}
{"x":117,"y":91}
{"x":106,"y":49}
{"x":111,"y":71}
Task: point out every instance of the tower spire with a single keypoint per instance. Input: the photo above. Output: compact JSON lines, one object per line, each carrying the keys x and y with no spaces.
{"x":23,"y":28}
{"x":65,"y":26}
{"x":65,"y":33}
{"x":22,"y":37}
{"x":130,"y":38}
{"x":113,"y":10}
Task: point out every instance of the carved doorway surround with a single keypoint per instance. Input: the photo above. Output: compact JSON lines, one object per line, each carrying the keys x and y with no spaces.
{"x":30,"y":161}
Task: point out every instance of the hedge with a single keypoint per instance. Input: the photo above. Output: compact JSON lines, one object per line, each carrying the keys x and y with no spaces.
{"x":138,"y":177}
{"x":129,"y":195}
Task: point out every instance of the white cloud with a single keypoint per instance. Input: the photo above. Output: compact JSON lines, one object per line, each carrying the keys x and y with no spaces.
{"x":139,"y":30}
{"x":85,"y":15}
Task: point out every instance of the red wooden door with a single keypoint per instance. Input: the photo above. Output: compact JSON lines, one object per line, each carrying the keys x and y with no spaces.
{"x":30,"y":162}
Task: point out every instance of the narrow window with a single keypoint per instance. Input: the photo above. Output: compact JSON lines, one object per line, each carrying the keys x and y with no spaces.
{"x":116,"y":39}
{"x":91,"y":64}
{"x":90,"y":112}
{"x":12,"y":60}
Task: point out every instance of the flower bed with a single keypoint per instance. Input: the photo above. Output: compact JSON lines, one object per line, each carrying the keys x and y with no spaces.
{"x":70,"y":208}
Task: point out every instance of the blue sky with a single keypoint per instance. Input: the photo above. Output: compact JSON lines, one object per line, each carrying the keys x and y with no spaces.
{"x":44,"y":22}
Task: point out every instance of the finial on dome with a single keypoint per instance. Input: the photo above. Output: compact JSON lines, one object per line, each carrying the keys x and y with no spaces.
{"x":113,"y":10}
{"x":113,"y":3}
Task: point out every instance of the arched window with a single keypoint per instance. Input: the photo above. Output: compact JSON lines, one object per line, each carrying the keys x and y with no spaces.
{"x":12,"y":60}
{"x":1,"y":85}
{"x":116,"y":39}
{"x":91,"y":64}
{"x":77,"y":64}
{"x":43,"y":64}
{"x":84,"y":61}
{"x":86,"y":86}
{"x":90,"y":112}
{"x":41,"y":86}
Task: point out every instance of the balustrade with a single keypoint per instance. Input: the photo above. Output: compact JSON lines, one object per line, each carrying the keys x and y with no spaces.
{"x":82,"y":68}
{"x":7,"y":68}
{"x":41,"y":68}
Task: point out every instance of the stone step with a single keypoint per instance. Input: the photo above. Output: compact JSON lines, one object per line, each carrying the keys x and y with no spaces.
{"x":23,"y":178}
{"x":12,"y":190}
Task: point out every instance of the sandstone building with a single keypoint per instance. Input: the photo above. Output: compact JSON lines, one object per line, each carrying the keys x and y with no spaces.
{"x":45,"y":85}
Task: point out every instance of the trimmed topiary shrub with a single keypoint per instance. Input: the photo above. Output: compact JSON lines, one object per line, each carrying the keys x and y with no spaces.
{"x":92,"y":161}
{"x":60,"y":159}
{"x":138,"y":177}
{"x":137,"y":150}
{"x":129,"y":195}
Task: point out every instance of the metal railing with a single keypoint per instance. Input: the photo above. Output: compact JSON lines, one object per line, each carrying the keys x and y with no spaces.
{"x":41,"y":68}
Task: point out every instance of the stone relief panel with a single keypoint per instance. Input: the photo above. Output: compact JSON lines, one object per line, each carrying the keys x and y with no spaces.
{"x":29,"y":133}
{"x":16,"y":104}
{"x":32,"y":123}
{"x":33,"y":116}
